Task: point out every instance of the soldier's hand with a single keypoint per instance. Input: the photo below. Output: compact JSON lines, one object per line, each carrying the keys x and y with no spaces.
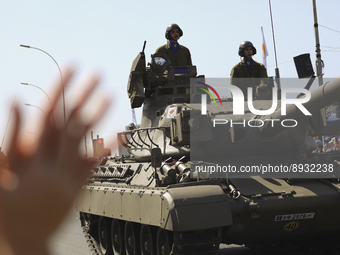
{"x":40,"y":185}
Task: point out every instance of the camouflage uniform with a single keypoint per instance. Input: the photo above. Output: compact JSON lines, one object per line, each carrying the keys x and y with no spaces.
{"x":243,"y":77}
{"x":181,"y":58}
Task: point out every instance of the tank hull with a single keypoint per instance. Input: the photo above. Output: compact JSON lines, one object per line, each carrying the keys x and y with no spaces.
{"x":268,"y":211}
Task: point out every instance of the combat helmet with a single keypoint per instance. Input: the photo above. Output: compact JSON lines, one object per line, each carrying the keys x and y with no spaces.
{"x":243,"y":45}
{"x":170,"y":27}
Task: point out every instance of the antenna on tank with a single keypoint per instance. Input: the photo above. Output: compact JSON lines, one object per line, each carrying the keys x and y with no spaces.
{"x":144,"y":46}
{"x":277,"y":73}
{"x":319,"y":63}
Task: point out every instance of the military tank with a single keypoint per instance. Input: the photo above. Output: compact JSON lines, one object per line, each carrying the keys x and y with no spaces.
{"x":157,"y":198}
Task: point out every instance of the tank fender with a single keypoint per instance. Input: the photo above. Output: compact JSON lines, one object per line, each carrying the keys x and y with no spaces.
{"x":197,"y":207}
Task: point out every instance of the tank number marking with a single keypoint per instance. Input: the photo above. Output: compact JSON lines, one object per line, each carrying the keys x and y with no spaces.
{"x":291,"y":226}
{"x":298,"y":216}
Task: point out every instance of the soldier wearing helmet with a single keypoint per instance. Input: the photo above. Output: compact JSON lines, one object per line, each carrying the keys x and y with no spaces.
{"x":248,"y":73}
{"x":178,"y":55}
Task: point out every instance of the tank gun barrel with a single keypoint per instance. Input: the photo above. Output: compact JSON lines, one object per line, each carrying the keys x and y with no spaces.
{"x":320,"y":97}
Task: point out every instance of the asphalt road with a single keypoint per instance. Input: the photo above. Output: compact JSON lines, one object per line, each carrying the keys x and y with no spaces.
{"x":69,"y":240}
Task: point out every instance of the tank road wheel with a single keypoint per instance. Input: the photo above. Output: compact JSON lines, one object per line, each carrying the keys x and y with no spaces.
{"x":117,"y":237}
{"x":164,"y":242}
{"x":147,"y":240}
{"x":104,"y":236}
{"x":131,"y":238}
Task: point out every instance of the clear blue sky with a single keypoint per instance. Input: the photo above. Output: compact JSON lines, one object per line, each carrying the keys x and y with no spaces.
{"x":107,"y":35}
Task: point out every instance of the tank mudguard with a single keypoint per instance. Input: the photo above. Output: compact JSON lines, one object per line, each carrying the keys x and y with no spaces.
{"x":197,"y":207}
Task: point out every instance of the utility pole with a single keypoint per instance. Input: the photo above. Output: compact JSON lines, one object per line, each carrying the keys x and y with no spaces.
{"x":319,"y":62}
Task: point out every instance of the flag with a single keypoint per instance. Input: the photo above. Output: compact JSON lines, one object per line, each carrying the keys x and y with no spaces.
{"x":264,"y":50}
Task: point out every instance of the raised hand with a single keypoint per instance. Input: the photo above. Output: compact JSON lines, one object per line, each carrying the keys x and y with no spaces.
{"x":40,"y":185}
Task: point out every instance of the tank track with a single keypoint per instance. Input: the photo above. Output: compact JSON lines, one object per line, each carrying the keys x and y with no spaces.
{"x":209,"y":248}
{"x":91,"y":242}
{"x":327,"y":246}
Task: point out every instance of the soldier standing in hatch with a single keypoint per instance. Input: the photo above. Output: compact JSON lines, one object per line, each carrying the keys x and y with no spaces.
{"x":178,"y":55}
{"x":248,"y":72}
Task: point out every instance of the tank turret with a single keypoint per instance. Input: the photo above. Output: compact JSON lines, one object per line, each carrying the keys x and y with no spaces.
{"x":319,"y":98}
{"x":263,"y":132}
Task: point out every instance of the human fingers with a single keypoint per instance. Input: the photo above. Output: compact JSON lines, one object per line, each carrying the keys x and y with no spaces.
{"x":67,"y":74}
{"x":9,"y":177}
{"x":15,"y":130}
{"x":72,"y":166}
{"x":104,"y":105}
{"x":14,"y":152}
{"x":81,"y":172}
{"x":59,"y":92}
{"x":90,"y":84}
{"x":76,"y":130}
{"x":49,"y":139}
{"x":77,"y":126}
